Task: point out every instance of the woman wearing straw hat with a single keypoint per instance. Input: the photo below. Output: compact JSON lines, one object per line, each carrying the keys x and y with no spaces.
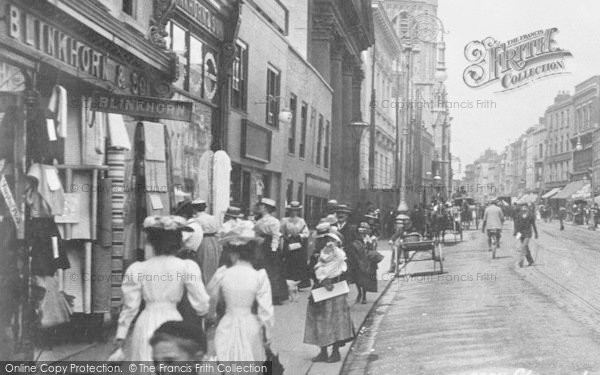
{"x":295,"y":234}
{"x":242,"y":335}
{"x":160,"y":282}
{"x":269,"y":256}
{"x":328,"y":322}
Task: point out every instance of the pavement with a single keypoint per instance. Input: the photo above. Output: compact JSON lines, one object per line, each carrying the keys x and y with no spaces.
{"x":287,"y":338}
{"x":487,"y":315}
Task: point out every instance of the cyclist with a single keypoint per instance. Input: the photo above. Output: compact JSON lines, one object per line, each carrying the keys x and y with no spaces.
{"x":493,"y":220}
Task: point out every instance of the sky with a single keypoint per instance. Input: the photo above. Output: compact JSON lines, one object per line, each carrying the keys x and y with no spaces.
{"x":476,"y":129}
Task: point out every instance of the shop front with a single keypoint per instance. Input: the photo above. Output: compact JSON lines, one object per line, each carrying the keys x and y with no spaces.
{"x":63,"y":166}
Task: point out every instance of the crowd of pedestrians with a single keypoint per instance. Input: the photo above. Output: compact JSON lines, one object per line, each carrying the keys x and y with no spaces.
{"x":229,"y":276}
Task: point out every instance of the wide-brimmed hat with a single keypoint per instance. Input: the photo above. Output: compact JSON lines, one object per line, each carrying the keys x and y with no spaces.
{"x":332,"y":202}
{"x":322,"y":229}
{"x":294,"y":205}
{"x":364,"y":227}
{"x":166,"y":223}
{"x":371,"y":215}
{"x":198,"y":203}
{"x":333,"y":236}
{"x":234,"y":212}
{"x":402,"y":218}
{"x":343,"y":208}
{"x":268,"y":202}
{"x":331,"y":219}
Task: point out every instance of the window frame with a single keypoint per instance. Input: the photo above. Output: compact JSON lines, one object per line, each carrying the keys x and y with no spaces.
{"x":241,"y":72}
{"x":303,"y":130}
{"x":272,"y":98}
{"x":320,"y":131}
{"x":291,"y":144}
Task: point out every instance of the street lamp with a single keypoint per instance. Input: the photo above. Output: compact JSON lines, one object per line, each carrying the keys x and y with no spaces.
{"x":579,"y":146}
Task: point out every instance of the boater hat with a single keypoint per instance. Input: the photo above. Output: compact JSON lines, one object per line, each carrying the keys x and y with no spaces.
{"x":166,"y":223}
{"x":402,"y":218}
{"x":268,"y":202}
{"x":294,"y":205}
{"x":343,"y":208}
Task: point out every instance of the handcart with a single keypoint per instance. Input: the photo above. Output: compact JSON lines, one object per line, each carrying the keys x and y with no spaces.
{"x":416,"y":243}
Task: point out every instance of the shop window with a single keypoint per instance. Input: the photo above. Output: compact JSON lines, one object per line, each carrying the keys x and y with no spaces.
{"x":319,"y":140}
{"x":238,"y":84}
{"x":292,"y":135}
{"x":197,"y":62}
{"x":236,"y":184}
{"x":246,"y":190}
{"x":303,"y":124}
{"x":327,"y":142}
{"x":273,"y":87}
{"x":256,"y":142}
{"x":267,"y":186}
{"x":196,"y":67}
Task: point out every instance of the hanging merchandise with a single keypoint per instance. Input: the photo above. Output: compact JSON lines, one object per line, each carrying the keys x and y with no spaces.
{"x":221,"y":184}
{"x":58,"y":105}
{"x":49,"y":186}
{"x":202,"y":190}
{"x":93,"y":132}
{"x":53,"y":308}
{"x":117,"y":132}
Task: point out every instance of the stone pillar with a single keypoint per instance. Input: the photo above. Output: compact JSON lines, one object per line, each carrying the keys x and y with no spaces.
{"x":350,"y":144}
{"x":337,"y":158}
{"x":321,"y":44}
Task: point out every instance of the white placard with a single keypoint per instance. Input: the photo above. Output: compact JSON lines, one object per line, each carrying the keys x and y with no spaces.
{"x":52,"y":179}
{"x":321,"y":294}
{"x":156,"y":202}
{"x":51,"y":129}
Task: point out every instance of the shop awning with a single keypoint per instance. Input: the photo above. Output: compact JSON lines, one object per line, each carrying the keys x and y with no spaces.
{"x":570,"y":189}
{"x":527,"y":198}
{"x":551,"y":193}
{"x":584,"y":193}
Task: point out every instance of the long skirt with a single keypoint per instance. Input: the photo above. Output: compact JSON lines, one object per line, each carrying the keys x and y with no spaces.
{"x":209,"y":255}
{"x":272,"y":262}
{"x":152,"y":317}
{"x":296,"y":267}
{"x":239,"y":337}
{"x":328,"y":322}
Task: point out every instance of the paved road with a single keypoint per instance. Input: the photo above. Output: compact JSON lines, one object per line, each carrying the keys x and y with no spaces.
{"x":487,"y":315}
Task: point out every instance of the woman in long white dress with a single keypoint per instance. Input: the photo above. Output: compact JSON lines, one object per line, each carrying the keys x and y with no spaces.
{"x":241,"y":334}
{"x":160,"y":282}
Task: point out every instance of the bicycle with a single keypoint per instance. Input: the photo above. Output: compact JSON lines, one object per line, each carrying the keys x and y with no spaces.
{"x":494,"y":235}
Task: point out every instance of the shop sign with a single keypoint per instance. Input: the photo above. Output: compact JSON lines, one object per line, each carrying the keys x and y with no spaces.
{"x":10,"y":202}
{"x":35,"y":33}
{"x":137,"y":106}
{"x":203,"y":15}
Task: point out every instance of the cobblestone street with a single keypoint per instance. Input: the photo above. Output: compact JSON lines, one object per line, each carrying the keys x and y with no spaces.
{"x":485,"y":315}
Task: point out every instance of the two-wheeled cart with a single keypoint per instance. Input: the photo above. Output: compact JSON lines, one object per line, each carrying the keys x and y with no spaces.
{"x":414,"y":242}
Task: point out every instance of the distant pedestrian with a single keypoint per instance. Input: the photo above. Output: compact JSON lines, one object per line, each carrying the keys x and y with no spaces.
{"x":368,"y":257}
{"x":209,"y":251}
{"x":294,"y":233}
{"x":269,"y":255}
{"x":524,"y":229}
{"x":562,"y":215}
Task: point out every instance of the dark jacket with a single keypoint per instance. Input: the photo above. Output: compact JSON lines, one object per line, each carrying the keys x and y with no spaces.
{"x":524,"y":225}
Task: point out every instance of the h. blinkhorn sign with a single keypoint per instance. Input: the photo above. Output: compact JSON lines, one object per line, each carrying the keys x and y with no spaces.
{"x":515,"y":63}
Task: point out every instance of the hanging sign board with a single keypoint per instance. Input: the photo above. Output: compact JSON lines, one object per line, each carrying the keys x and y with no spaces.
{"x":139,"y":106}
{"x":10,"y":202}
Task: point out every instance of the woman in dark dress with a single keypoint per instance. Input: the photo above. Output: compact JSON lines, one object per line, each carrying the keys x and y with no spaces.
{"x":368,"y":257}
{"x":269,"y":255}
{"x":294,"y":232}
